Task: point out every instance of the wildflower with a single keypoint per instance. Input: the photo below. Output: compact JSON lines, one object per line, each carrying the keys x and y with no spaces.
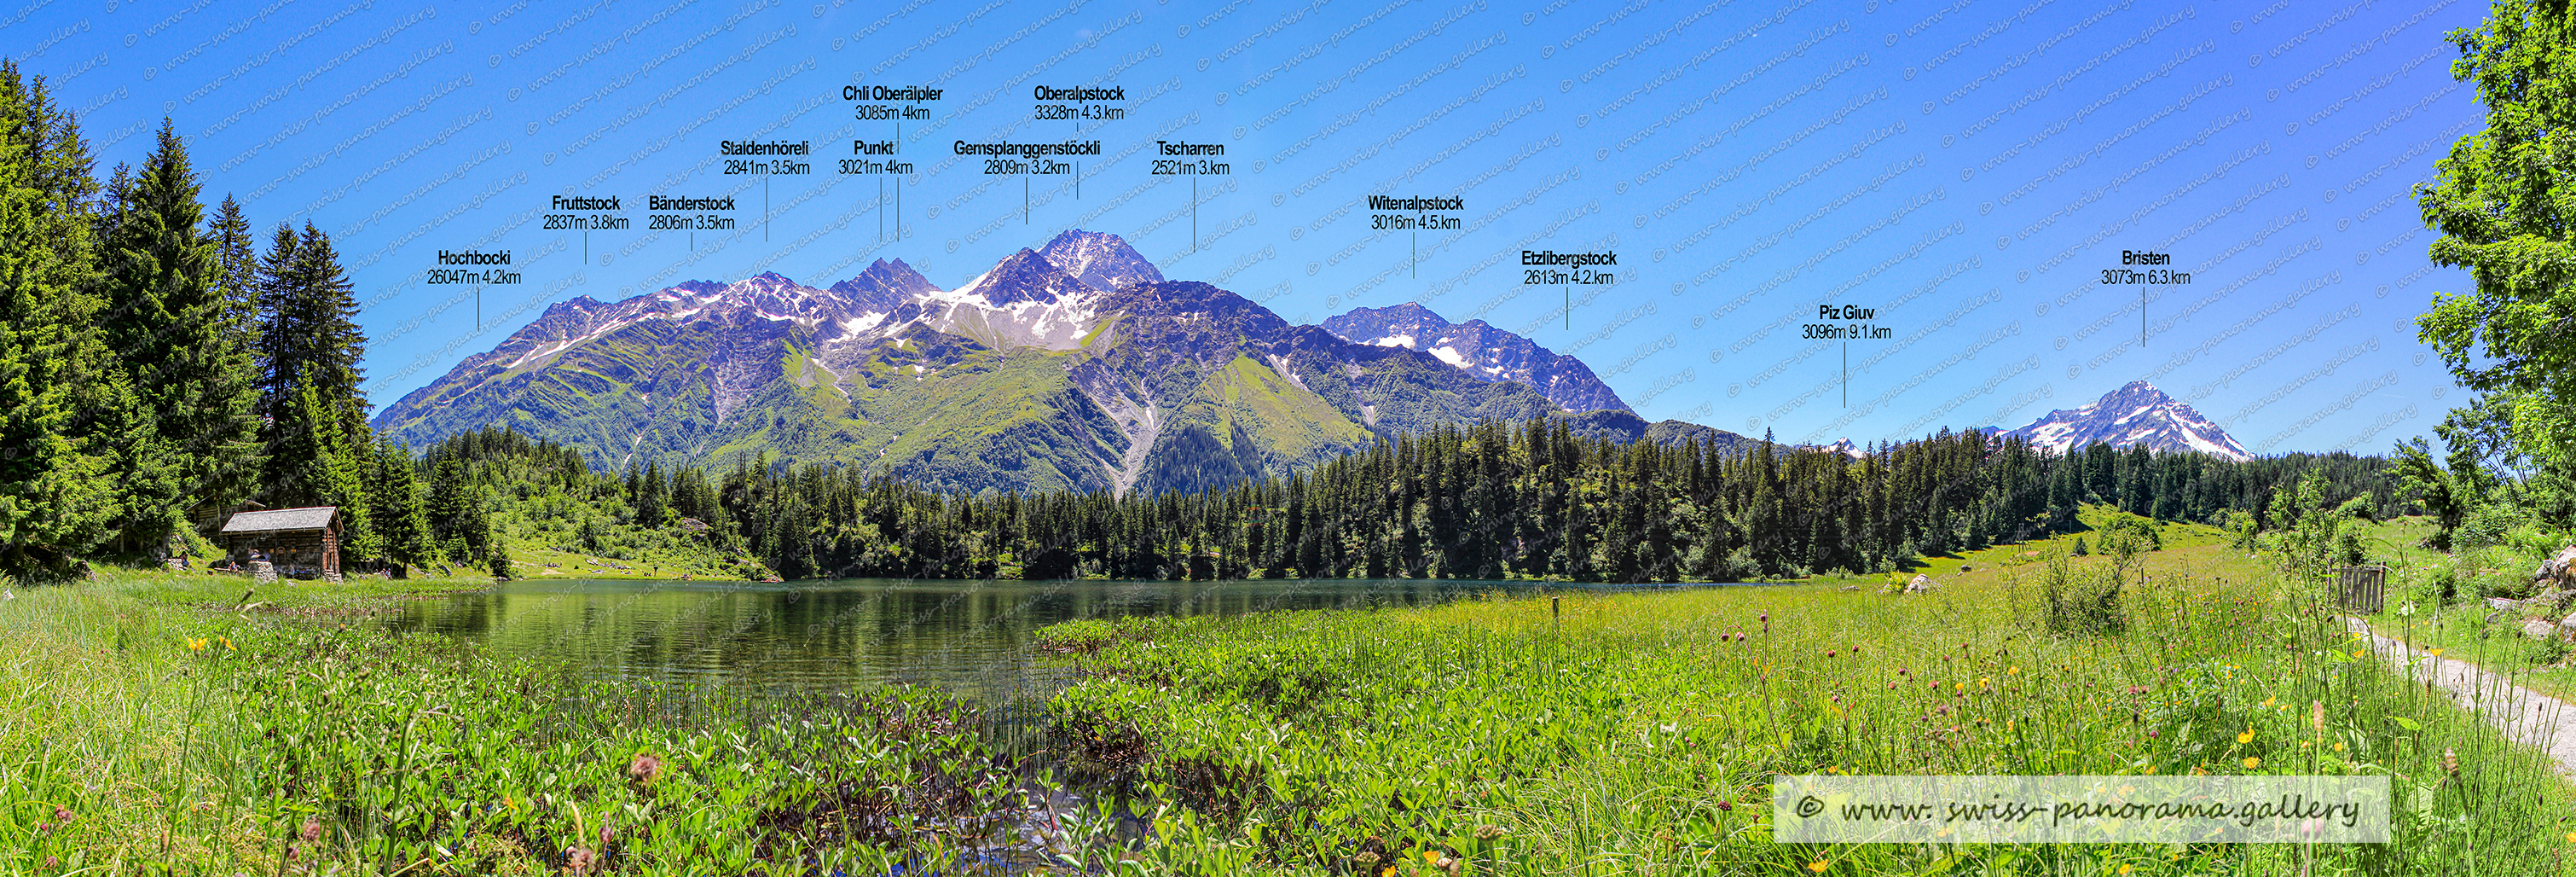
{"x":51,"y":863}
{"x":1490,"y":831}
{"x":196,"y":645}
{"x":2338,"y":746}
{"x":2317,"y":716}
{"x":1430,"y":856}
{"x":2435,"y":653}
{"x":62,"y":814}
{"x":312,"y":830}
{"x":1829,"y":653}
{"x":2571,"y":837}
{"x":1817,"y":866}
{"x":2252,"y":762}
{"x":1389,"y":872}
{"x":1367,"y":858}
{"x":1729,"y":806}
{"x":2247,"y":737}
{"x":2125,"y":869}
{"x":644,"y":768}
{"x":2151,"y":733}
{"x":578,"y":861}
{"x":2450,"y":762}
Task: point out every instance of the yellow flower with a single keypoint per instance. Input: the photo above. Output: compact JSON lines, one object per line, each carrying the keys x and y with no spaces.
{"x":2124,"y":869}
{"x":2571,"y":837}
{"x":1817,"y":866}
{"x":2247,"y":737}
{"x":2012,"y":671}
{"x":2435,"y":653}
{"x":2356,"y":653}
{"x":2252,"y":762}
{"x":1430,"y":856}
{"x":196,"y":644}
{"x":2338,"y":747}
{"x":2268,"y":701}
{"x":1389,"y":872}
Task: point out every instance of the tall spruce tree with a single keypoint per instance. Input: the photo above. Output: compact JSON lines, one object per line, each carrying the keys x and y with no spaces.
{"x":394,"y":504}
{"x":168,"y":333}
{"x":309,"y":339}
{"x":55,"y":502}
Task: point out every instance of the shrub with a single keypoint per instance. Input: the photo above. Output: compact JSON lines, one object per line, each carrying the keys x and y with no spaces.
{"x":2082,"y":604}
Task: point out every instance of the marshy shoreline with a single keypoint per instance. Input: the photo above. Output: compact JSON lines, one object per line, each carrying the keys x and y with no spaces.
{"x":160,"y":729}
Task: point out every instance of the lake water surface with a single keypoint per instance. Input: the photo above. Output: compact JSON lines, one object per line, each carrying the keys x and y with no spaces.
{"x":968,"y":636}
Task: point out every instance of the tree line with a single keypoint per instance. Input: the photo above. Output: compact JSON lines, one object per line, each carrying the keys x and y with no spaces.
{"x":1483,"y":501}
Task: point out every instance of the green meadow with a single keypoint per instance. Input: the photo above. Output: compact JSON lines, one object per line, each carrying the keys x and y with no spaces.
{"x":167,"y":724}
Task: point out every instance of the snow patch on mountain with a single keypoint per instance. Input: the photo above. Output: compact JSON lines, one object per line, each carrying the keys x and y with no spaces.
{"x":2132,"y":416}
{"x":1480,"y":349}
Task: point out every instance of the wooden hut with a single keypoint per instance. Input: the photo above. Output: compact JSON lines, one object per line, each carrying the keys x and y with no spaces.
{"x":301,"y":542}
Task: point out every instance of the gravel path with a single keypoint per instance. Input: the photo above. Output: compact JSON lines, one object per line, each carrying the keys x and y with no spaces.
{"x":2526,"y":716}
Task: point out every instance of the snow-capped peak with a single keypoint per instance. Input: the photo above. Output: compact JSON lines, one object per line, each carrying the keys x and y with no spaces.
{"x":2134,"y":415}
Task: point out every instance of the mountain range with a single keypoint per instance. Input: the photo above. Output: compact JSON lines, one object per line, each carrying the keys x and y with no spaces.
{"x":1075,"y":366}
{"x":2133,"y":415}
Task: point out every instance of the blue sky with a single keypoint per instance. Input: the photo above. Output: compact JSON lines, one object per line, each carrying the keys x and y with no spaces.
{"x":1968,"y":170}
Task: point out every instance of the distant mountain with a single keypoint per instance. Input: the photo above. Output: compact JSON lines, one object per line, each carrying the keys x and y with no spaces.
{"x":1626,"y":426}
{"x":1076,"y":366}
{"x":1101,"y":261}
{"x":2131,"y":416}
{"x":1479,"y":349}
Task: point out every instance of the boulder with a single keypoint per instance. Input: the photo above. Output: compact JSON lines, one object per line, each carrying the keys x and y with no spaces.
{"x":2538,"y":628}
{"x":2504,"y":605}
{"x":2550,"y":598}
{"x":1922,"y":584}
{"x":2567,"y":628}
{"x":2558,"y":571}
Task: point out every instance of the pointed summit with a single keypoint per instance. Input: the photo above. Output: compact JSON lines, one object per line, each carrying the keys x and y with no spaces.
{"x":1101,"y":261}
{"x":2134,"y":415}
{"x":885,"y":285}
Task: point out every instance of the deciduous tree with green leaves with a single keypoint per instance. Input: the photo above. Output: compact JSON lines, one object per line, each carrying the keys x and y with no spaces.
{"x":2505,"y":203}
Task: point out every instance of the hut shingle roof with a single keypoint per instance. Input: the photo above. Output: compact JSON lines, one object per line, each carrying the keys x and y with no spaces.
{"x":275,"y":520}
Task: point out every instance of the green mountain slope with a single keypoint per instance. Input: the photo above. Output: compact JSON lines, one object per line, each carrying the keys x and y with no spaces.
{"x":1029,"y":377}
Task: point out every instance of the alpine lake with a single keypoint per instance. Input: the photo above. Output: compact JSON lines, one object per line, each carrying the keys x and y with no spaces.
{"x":974,"y":639}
